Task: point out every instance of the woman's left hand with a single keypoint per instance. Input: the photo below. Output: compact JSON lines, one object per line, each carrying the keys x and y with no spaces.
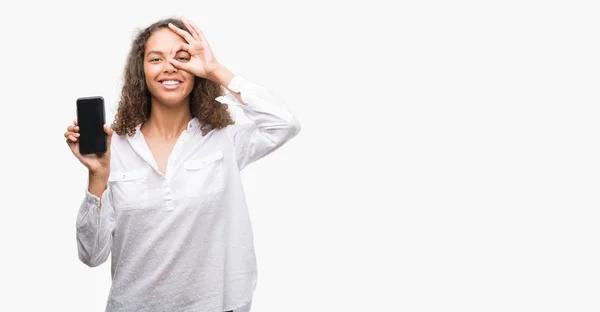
{"x":202,"y":61}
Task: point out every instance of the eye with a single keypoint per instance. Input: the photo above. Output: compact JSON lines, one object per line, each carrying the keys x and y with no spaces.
{"x":154,"y":59}
{"x":182,"y":56}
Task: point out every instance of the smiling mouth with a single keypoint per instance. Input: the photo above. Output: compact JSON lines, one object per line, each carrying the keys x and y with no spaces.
{"x":170,"y":82}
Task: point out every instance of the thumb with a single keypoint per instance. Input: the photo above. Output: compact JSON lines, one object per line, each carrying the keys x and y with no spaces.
{"x":109,"y":133}
{"x":180,"y":65}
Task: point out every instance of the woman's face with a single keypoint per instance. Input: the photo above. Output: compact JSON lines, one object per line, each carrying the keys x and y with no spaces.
{"x":167,"y":84}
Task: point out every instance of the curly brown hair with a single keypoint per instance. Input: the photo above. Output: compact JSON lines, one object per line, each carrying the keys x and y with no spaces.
{"x":134,"y":106}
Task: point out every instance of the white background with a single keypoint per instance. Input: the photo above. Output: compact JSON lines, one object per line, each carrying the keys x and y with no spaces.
{"x":448,"y":159}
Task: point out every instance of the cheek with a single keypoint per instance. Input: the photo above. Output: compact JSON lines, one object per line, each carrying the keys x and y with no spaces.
{"x":190,"y":79}
{"x":188,"y":76}
{"x":149,"y":70}
{"x":147,"y":73}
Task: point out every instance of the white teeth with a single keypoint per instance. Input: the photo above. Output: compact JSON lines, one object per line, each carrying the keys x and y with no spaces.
{"x":170,"y":82}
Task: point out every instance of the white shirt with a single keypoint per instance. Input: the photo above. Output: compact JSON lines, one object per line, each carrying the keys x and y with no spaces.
{"x":183,"y":241}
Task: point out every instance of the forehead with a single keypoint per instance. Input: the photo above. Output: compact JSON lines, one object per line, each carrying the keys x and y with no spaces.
{"x":163,"y":40}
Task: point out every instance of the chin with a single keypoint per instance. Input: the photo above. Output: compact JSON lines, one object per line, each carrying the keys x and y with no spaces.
{"x":172,"y":101}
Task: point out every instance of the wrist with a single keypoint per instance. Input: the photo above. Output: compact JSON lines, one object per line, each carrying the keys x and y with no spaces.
{"x":212,"y":69}
{"x":98,"y":175}
{"x":220,"y":74}
{"x":98,"y":182}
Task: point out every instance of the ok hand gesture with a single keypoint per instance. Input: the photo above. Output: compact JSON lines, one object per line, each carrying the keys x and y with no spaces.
{"x":202,"y":61}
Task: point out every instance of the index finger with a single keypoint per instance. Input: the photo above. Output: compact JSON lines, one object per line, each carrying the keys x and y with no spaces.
{"x":196,"y":29}
{"x":180,"y":47}
{"x":182,"y":33}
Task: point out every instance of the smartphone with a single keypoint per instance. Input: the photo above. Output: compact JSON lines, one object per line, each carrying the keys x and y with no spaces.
{"x":91,"y":118}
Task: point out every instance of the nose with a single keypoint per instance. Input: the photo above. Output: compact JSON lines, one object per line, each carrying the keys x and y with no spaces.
{"x":168,"y":67}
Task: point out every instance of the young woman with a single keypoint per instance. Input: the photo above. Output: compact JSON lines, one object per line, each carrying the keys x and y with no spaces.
{"x":166,"y":199}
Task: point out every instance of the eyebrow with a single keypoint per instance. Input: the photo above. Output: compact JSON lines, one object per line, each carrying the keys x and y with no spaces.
{"x":155,"y":52}
{"x":160,"y":53}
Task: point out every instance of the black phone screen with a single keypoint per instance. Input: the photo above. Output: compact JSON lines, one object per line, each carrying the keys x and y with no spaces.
{"x":91,"y":119}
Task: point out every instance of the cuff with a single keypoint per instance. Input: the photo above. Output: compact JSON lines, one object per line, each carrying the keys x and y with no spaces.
{"x":91,"y":198}
{"x":236,"y":83}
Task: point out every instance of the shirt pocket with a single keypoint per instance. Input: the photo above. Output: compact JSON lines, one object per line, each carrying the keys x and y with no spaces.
{"x":129,"y":190}
{"x":204,"y":175}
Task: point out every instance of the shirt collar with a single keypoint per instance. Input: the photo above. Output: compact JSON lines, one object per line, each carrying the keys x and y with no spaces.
{"x":192,"y":126}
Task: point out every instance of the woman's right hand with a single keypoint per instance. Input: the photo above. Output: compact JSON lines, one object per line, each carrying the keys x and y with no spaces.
{"x":97,"y":164}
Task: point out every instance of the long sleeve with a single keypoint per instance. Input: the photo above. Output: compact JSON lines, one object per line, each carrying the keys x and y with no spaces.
{"x":272,"y":123}
{"x":94,"y":228}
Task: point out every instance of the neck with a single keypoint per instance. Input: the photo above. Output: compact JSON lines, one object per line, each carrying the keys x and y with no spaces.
{"x":167,"y":122}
